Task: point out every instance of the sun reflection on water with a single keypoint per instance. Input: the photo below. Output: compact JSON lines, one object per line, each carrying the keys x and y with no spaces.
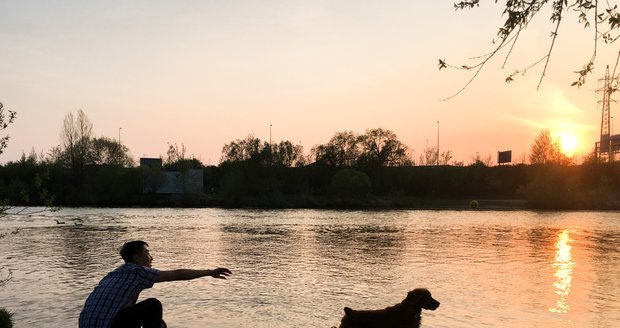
{"x":563,"y":266}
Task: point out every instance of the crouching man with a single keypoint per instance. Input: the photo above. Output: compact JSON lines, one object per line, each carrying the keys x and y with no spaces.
{"x":112,"y":304}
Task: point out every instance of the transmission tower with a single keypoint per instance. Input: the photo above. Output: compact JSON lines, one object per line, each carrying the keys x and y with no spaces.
{"x":608,"y":144}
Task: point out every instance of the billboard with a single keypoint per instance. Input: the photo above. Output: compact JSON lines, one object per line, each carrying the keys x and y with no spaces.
{"x":504,"y":156}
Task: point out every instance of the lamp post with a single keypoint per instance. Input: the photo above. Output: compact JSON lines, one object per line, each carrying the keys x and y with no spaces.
{"x":437,"y":142}
{"x":269,"y":135}
{"x":119,"y":135}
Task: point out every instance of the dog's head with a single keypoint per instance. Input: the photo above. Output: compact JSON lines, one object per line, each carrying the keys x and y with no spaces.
{"x":420,"y":298}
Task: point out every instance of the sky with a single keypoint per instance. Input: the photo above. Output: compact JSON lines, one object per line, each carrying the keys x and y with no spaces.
{"x":205,"y":73}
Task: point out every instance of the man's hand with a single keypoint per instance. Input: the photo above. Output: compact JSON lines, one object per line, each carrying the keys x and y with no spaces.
{"x":220,"y":273}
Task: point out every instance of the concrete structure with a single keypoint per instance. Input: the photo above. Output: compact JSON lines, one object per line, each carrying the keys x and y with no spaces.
{"x":159,"y":181}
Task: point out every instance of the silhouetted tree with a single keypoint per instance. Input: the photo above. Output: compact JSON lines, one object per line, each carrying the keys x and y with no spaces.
{"x":286,"y":154}
{"x":545,"y":150}
{"x":381,"y":147}
{"x":342,"y":150}
{"x":107,"y":151}
{"x":75,"y":142}
{"x":79,"y":148}
{"x":177,"y":159}
{"x":479,"y":160}
{"x":429,"y":157}
{"x":375,"y":148}
{"x":519,"y":13}
{"x":243,"y":150}
{"x":6,"y":118}
{"x":252,"y":151}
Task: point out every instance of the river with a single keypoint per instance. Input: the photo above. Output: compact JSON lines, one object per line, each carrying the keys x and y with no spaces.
{"x":299,"y":268}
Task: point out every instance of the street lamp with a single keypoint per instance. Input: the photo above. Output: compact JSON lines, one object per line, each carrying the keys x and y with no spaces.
{"x":269,"y":135}
{"x":119,"y":135}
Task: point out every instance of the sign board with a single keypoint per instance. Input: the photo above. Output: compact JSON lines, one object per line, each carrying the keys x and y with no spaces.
{"x":504,"y":156}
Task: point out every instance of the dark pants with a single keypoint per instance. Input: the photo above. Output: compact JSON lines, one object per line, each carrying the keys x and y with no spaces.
{"x":147,"y":314}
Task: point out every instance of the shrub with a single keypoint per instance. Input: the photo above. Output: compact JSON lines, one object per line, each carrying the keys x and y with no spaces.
{"x":6,"y":320}
{"x":351,"y":184}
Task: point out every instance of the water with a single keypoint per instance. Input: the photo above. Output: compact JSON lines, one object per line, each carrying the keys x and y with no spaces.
{"x":299,"y":268}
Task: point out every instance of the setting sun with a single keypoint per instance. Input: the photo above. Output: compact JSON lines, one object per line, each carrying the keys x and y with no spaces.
{"x":568,"y":143}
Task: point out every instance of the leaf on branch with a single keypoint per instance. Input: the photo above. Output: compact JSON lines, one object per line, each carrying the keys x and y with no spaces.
{"x":581,"y":80}
{"x":466,"y":4}
{"x":614,"y":21}
{"x":442,"y":64}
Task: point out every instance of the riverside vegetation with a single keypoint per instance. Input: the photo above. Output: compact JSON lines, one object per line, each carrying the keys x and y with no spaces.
{"x":318,"y":185}
{"x":368,"y":170}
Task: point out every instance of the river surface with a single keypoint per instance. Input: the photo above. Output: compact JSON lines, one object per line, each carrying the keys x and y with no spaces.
{"x":299,"y":268}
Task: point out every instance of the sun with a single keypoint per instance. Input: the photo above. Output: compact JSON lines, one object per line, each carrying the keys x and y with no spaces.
{"x":568,"y":143}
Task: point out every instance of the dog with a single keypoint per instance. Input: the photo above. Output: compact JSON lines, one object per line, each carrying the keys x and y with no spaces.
{"x":406,"y":314}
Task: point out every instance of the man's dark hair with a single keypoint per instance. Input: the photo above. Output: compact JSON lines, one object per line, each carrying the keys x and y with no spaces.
{"x":132,"y":248}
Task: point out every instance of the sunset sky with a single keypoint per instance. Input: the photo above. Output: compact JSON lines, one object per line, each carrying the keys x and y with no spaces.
{"x":204,"y":73}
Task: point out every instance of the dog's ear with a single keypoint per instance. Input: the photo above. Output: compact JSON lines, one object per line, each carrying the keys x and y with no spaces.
{"x":348,"y":310}
{"x":416,"y":297}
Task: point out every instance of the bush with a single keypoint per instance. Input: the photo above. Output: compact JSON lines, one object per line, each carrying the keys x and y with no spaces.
{"x":6,"y":320}
{"x":351,"y":184}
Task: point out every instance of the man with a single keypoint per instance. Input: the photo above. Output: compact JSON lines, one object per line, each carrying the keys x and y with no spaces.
{"x":112,"y":304}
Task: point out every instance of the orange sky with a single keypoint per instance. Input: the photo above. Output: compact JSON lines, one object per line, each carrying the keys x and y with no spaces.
{"x":203,"y":73}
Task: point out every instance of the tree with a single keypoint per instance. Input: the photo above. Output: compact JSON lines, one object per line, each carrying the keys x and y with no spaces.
{"x":381,"y":147}
{"x":4,"y":140}
{"x":342,"y":150}
{"x":546,"y":150}
{"x":243,"y":150}
{"x":376,"y":148}
{"x":176,"y":158}
{"x":253,"y":150}
{"x":602,"y":17}
{"x":429,"y":157}
{"x":107,"y":151}
{"x":75,"y":138}
{"x":286,"y":154}
{"x":478,"y":160}
{"x":5,"y":120}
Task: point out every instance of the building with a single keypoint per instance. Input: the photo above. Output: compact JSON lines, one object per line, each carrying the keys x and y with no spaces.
{"x":155,"y":179}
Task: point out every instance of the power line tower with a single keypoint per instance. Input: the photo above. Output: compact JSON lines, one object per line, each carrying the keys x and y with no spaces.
{"x":608,"y":144}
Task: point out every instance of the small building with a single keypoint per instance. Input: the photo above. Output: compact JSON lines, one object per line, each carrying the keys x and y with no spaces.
{"x":151,"y":162}
{"x":159,"y":181}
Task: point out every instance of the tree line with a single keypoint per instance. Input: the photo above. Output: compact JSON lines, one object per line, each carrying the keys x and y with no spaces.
{"x":373,"y":169}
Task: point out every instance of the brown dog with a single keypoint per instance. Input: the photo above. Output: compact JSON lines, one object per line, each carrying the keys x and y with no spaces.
{"x":406,"y":314}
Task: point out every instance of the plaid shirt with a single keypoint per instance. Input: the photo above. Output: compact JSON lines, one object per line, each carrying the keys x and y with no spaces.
{"x":117,"y":290}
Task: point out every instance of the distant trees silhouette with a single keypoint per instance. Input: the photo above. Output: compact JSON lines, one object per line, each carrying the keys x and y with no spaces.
{"x":351,"y":170}
{"x":253,"y":151}
{"x":375,"y":148}
{"x":177,"y":159}
{"x":78,"y":148}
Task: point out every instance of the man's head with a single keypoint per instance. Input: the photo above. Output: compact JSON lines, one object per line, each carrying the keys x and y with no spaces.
{"x":137,"y":252}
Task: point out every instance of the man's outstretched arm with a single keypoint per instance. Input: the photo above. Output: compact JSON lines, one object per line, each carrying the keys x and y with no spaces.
{"x":189,"y":274}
